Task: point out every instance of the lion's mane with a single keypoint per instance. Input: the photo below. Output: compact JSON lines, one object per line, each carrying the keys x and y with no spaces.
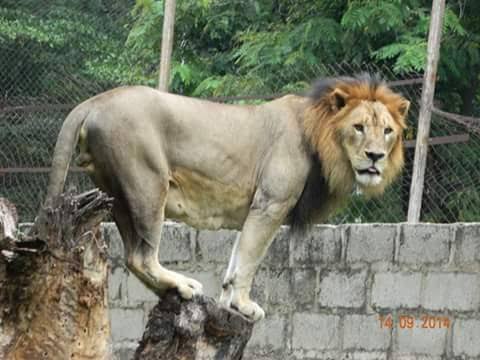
{"x":331,"y":178}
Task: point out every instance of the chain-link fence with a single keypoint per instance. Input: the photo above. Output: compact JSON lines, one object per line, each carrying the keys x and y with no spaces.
{"x":34,"y":101}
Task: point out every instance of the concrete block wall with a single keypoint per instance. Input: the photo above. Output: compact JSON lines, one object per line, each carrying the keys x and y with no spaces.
{"x":356,"y":292}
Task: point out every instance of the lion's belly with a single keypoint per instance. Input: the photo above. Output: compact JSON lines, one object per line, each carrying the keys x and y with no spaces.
{"x":205,"y":203}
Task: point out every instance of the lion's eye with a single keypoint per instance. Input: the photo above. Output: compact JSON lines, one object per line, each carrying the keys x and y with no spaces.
{"x":388,"y":130}
{"x":358,"y":127}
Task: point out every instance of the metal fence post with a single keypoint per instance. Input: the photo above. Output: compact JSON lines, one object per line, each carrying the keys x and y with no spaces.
{"x":428,"y":91}
{"x":167,"y":44}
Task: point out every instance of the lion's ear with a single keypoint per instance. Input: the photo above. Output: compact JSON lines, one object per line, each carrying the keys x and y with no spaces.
{"x":338,"y":99}
{"x":403,"y":107}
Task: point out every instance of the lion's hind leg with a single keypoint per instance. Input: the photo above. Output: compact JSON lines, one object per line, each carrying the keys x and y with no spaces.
{"x":129,"y":164}
{"x":143,"y":262}
{"x":140,"y":217}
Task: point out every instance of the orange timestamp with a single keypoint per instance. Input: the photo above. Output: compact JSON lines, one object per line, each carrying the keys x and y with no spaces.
{"x":410,"y":322}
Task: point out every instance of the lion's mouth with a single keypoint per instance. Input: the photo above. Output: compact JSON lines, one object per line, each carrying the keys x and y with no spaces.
{"x":372,"y":170}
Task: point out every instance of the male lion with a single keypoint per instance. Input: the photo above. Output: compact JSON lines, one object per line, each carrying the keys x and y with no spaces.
{"x":291,"y":160}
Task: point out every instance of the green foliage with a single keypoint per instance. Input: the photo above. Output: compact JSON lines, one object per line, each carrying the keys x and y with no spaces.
{"x":67,"y":50}
{"x":238,"y":46}
{"x":410,"y":54}
{"x":303,"y":44}
{"x":395,"y":32}
{"x":64,"y":39}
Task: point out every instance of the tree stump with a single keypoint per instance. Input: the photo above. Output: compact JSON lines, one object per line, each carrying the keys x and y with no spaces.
{"x":54,"y":301}
{"x":8,"y":220}
{"x":53,"y":282}
{"x":179,"y":329}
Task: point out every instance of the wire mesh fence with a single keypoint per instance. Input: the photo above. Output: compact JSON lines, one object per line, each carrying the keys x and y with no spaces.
{"x":34,"y":101}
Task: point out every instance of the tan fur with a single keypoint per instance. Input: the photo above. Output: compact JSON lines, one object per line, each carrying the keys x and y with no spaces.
{"x":215,"y":166}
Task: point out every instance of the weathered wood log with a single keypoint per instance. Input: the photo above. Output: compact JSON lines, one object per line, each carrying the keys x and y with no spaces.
{"x":53,"y":282}
{"x":8,"y":220}
{"x":194,"y":329}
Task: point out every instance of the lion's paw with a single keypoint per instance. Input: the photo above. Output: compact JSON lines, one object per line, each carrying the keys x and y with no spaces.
{"x":250,"y":309}
{"x":188,"y":287}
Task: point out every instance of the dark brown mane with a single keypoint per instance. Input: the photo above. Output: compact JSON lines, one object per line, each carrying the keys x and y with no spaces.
{"x":313,"y":197}
{"x":366,"y":83}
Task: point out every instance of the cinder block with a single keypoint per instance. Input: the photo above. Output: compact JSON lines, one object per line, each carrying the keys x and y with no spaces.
{"x":303,"y":285}
{"x":371,"y":242}
{"x":452,"y":291}
{"x":124,"y":350}
{"x":117,"y":284}
{"x":176,"y":243}
{"x":466,"y":337}
{"x":216,"y":246}
{"x":268,"y":335}
{"x":419,"y":357}
{"x":359,"y":355}
{"x":249,"y":355}
{"x":315,"y":331}
{"x":395,"y":290}
{"x":420,"y":341}
{"x":278,"y":253}
{"x":137,"y":292}
{"x":469,"y":247}
{"x":343,"y":289}
{"x":424,"y":244}
{"x":279,"y":290}
{"x":312,"y":355}
{"x":126,"y":324}
{"x":259,"y":287}
{"x":114,"y":241}
{"x":363,"y":332}
{"x":319,"y":246}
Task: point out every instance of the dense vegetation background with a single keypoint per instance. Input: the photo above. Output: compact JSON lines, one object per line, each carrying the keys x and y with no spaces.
{"x":225,"y":47}
{"x":63,"y":51}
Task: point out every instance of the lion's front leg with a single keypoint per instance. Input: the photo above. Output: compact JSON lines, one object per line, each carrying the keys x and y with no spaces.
{"x":248,"y":252}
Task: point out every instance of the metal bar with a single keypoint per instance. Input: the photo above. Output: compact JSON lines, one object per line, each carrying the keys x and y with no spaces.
{"x":441,"y":140}
{"x":34,"y":170}
{"x":36,"y":108}
{"x":405,"y":82}
{"x":428,"y":91}
{"x":461,"y":119}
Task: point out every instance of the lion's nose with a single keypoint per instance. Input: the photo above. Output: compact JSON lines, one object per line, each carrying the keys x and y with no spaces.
{"x":374,"y":156}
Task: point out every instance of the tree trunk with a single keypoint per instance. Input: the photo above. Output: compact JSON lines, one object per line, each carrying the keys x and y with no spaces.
{"x":167,"y":44}
{"x":425,"y":115}
{"x":53,"y":295}
{"x":195,"y":329}
{"x":53,"y":282}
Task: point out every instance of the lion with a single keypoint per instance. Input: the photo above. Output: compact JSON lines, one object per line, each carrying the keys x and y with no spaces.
{"x":293,"y":161}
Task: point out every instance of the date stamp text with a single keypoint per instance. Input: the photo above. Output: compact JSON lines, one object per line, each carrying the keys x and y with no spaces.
{"x":411,"y":322}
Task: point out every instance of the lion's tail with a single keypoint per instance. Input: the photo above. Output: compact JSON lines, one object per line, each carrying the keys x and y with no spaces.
{"x":64,"y":148}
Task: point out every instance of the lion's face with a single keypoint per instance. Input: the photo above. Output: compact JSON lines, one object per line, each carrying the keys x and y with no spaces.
{"x":368,"y":134}
{"x":356,"y":127}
